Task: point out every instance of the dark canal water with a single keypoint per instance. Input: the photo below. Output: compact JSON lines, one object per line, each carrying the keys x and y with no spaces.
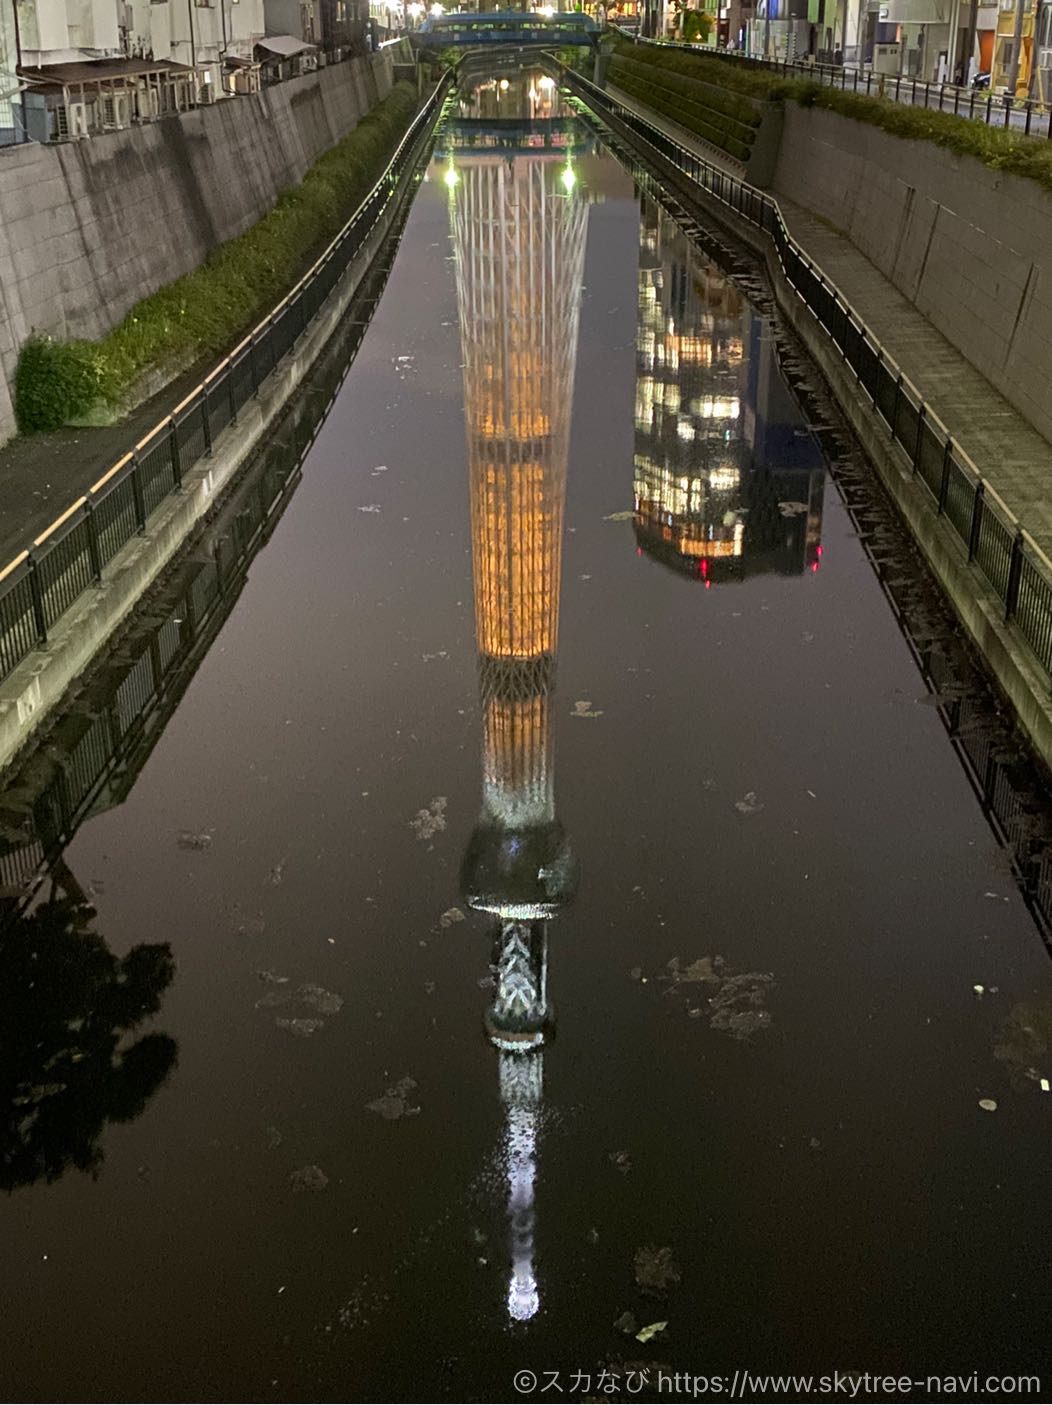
{"x":549,"y":897}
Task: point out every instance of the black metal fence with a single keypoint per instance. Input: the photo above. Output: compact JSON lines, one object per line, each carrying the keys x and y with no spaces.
{"x":40,"y":584}
{"x":1025,"y":115}
{"x":987,"y":532}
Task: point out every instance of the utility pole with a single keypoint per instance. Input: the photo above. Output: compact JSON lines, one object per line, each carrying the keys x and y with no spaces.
{"x":860,"y":47}
{"x":951,"y":40}
{"x":1017,"y":48}
{"x":1033,"y":88}
{"x":969,"y":42}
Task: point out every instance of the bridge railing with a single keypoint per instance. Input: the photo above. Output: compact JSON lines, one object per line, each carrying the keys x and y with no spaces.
{"x":1026,"y":115}
{"x":985,"y":529}
{"x":68,"y":559}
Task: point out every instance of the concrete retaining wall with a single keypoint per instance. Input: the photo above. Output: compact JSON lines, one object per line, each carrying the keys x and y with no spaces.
{"x":88,"y":228}
{"x":968,"y":245}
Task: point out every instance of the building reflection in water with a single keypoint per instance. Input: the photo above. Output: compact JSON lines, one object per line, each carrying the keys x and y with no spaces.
{"x":519,"y":224}
{"x":727,"y":482}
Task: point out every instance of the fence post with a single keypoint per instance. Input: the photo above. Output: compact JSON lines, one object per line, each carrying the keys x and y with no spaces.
{"x":876,"y":375}
{"x":895,"y":404}
{"x":228,"y":376}
{"x":140,"y":504}
{"x":944,"y":482}
{"x":177,"y":468}
{"x":38,"y":600}
{"x":1015,"y":570}
{"x":922,"y":415}
{"x":205,"y":424}
{"x":93,"y":540}
{"x":977,"y":519}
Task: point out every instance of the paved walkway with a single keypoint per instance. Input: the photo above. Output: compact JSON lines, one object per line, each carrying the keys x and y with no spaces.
{"x":42,"y":474}
{"x":1013,"y":457}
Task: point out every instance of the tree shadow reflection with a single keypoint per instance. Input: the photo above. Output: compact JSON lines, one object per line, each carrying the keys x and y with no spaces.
{"x":68,"y":1007}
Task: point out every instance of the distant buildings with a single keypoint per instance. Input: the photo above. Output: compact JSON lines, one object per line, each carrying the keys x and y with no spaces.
{"x":73,"y":68}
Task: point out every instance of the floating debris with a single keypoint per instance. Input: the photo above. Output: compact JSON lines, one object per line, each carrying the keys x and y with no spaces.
{"x":988,"y":1104}
{"x":326,"y":1002}
{"x":451,"y":916}
{"x":431,"y":821}
{"x":655,"y":1269}
{"x":370,"y":507}
{"x":627,"y":1324}
{"x":197,"y":840}
{"x":699,"y":970}
{"x":302,"y":1029}
{"x":737,"y":1004}
{"x":309,"y":1178}
{"x":621,"y":1160}
{"x":315,"y":997}
{"x":792,"y":509}
{"x":651,"y":1331}
{"x":583,"y":708}
{"x":394,"y":1103}
{"x":37,"y":1092}
{"x":749,"y":804}
{"x":619,"y":517}
{"x":270,"y":978}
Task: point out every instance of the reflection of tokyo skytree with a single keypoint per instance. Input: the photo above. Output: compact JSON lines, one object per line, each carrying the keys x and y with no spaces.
{"x":520,"y":234}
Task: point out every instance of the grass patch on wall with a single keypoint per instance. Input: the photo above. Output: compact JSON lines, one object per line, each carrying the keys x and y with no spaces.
{"x":206,"y":310}
{"x":997,"y":147}
{"x":725,"y":119}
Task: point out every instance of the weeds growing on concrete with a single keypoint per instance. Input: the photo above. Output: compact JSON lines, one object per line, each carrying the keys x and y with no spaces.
{"x":997,"y":147}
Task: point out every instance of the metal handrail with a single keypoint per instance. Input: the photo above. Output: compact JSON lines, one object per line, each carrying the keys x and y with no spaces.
{"x":40,"y":584}
{"x":987,"y":511}
{"x":983,"y":105}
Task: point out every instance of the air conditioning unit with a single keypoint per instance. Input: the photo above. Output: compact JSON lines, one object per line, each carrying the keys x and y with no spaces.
{"x":115,"y":111}
{"x":77,"y":118}
{"x":149,"y":104}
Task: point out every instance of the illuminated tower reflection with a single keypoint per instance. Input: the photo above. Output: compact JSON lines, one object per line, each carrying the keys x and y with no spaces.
{"x":727,"y":482}
{"x":519,"y":227}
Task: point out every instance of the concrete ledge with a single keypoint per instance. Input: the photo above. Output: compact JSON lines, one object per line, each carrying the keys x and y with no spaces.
{"x":41,"y":680}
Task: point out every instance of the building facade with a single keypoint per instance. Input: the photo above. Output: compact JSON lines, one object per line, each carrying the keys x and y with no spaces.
{"x":73,"y":68}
